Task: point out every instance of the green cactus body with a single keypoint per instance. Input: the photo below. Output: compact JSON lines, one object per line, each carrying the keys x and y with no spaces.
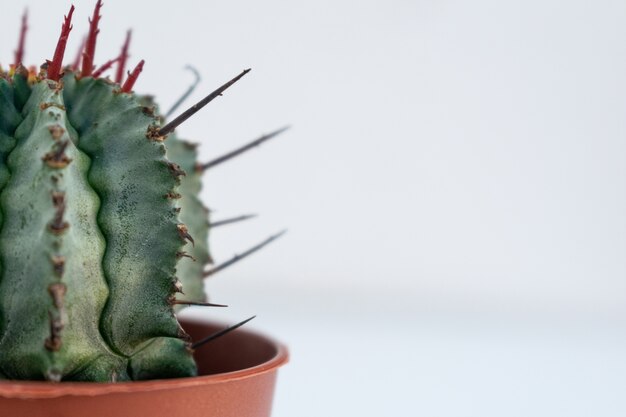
{"x":90,"y":234}
{"x":101,"y":226}
{"x":89,"y":239}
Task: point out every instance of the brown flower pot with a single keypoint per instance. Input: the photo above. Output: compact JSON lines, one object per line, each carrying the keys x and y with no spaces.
{"x":237,"y":378}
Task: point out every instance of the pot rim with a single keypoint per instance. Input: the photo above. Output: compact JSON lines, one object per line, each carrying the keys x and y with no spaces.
{"x":44,"y":389}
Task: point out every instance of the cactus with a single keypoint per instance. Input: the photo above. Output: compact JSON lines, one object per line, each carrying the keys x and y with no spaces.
{"x":102,"y":234}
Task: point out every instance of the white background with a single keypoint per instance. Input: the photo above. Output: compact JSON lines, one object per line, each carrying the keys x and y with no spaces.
{"x":453,"y":184}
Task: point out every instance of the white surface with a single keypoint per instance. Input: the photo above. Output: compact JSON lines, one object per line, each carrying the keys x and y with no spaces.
{"x":370,"y":358}
{"x":455,"y":177}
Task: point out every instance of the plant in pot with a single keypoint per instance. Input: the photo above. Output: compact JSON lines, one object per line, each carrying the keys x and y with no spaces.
{"x":103,"y":239}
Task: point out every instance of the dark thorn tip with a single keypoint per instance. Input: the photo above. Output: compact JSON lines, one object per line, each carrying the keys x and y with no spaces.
{"x":219,"y":334}
{"x":197,"y":303}
{"x":169,"y":128}
{"x":243,"y":255}
{"x":232,"y":220}
{"x":242,"y":149}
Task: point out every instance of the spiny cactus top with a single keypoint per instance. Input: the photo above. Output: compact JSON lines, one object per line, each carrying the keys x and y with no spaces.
{"x":100,"y":223}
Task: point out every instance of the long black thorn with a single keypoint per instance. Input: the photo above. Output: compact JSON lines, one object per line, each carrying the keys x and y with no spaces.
{"x":197,"y":303}
{"x":239,"y":257}
{"x":187,"y":93}
{"x":232,"y":220}
{"x":215,"y":335}
{"x":168,"y":128}
{"x":239,"y":151}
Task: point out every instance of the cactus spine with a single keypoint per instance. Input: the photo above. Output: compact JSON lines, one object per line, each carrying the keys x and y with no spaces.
{"x":100,"y":224}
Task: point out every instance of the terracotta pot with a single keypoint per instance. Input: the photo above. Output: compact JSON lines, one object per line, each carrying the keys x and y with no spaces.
{"x":237,"y":378}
